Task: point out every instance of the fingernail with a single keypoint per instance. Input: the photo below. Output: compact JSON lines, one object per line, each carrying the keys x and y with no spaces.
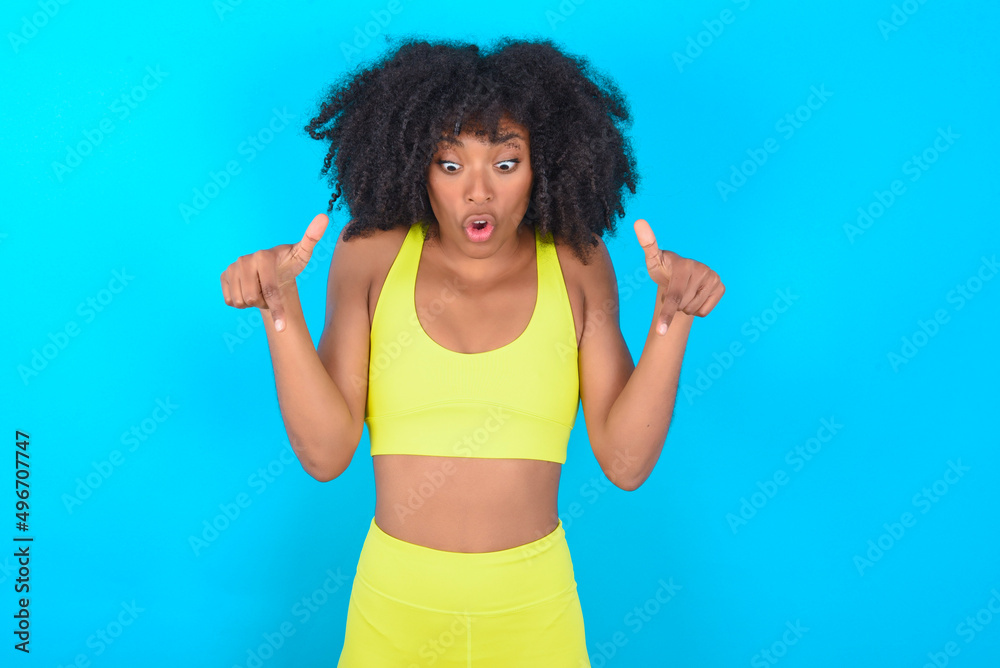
{"x":279,"y":324}
{"x":662,"y":329}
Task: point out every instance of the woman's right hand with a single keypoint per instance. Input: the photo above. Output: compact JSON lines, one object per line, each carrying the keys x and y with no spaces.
{"x":257,"y":279}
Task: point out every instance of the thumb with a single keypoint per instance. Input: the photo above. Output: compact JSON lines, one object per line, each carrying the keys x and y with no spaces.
{"x":659,"y":271}
{"x":302,"y":251}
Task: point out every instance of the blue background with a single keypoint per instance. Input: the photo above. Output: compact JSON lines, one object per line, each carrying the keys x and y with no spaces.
{"x":796,"y":556}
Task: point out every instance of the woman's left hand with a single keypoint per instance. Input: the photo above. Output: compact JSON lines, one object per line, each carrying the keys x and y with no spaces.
{"x":689,"y":286}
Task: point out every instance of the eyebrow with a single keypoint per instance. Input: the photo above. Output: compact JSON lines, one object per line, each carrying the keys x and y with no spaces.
{"x":502,"y":139}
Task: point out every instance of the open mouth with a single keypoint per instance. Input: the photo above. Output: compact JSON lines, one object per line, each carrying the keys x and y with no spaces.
{"x":479,"y":220}
{"x":479,"y":227}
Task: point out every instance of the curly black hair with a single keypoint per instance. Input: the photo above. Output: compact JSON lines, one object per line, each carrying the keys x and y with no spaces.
{"x":384,"y":123}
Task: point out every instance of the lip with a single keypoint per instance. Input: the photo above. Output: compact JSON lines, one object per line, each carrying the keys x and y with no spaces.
{"x":479,"y":216}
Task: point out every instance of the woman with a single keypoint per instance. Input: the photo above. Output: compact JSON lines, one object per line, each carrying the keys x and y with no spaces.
{"x":471,"y":306}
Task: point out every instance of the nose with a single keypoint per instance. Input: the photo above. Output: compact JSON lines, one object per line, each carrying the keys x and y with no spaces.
{"x":479,"y":187}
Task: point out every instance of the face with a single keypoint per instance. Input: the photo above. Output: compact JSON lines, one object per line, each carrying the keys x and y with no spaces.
{"x":472,"y":176}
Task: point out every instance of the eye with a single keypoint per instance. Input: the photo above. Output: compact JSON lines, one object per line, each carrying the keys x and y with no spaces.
{"x":512,"y":166}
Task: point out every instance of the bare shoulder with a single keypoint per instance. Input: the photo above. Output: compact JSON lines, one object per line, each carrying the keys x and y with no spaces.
{"x":591,"y":281}
{"x":365,"y":252}
{"x":368,"y":259}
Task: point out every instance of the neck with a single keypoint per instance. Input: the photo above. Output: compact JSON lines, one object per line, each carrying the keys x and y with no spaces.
{"x":484,"y":268}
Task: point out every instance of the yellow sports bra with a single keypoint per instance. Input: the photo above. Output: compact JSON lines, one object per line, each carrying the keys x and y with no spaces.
{"x":517,"y":401}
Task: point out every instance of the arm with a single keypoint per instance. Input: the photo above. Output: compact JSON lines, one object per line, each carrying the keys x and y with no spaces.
{"x":628,"y":408}
{"x":322,"y":392}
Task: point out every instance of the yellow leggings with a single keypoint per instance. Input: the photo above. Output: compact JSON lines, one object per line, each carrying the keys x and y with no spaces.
{"x":413,"y":606}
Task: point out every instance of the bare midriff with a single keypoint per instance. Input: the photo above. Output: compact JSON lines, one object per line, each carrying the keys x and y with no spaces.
{"x":466,"y":504}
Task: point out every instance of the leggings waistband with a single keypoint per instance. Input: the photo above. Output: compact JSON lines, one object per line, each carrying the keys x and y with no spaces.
{"x":467,"y":582}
